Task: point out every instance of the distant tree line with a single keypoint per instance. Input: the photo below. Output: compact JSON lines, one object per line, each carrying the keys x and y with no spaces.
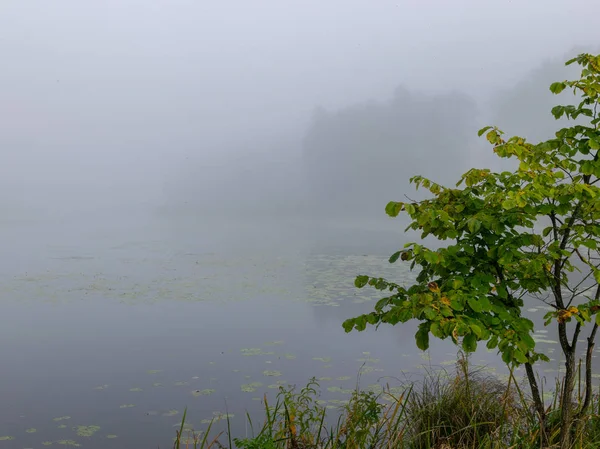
{"x":357,"y":157}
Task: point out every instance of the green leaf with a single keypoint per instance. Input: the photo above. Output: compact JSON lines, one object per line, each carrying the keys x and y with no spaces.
{"x":528,"y":340}
{"x":557,"y":88}
{"x":519,"y":356}
{"x":469,"y":343}
{"x":507,"y":355}
{"x":598,"y":319}
{"x":348,"y":325}
{"x":393,"y":208}
{"x":474,"y":225}
{"x":483,"y":130}
{"x":361,"y":281}
{"x":590,"y":243}
{"x":422,"y":338}
{"x":474,"y":304}
{"x":492,"y":342}
{"x":476,"y":330}
{"x":395,"y":256}
{"x":456,"y":305}
{"x":558,"y":111}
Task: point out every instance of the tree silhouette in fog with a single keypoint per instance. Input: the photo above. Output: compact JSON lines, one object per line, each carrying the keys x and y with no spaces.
{"x":359,"y":157}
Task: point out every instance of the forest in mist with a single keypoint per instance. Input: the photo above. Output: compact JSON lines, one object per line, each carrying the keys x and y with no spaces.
{"x":221,"y":111}
{"x":348,"y":163}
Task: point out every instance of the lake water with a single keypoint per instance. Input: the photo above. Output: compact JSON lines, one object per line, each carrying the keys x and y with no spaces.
{"x":110,"y":328}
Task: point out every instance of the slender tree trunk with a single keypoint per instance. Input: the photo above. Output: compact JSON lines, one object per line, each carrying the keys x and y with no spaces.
{"x":538,"y":403}
{"x":567,"y":401}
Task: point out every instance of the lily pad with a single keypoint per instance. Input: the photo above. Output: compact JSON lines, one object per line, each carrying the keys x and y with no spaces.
{"x":181,"y":383}
{"x":255,"y":351}
{"x":62,"y":418}
{"x":322,"y":359}
{"x":31,"y":430}
{"x":6,"y":438}
{"x":153,"y":371}
{"x":171,"y":413}
{"x":272,"y":373}
{"x":136,"y":389}
{"x":205,"y":392}
{"x":111,"y":436}
{"x":68,"y":443}
{"x":127,"y":406}
{"x":249,"y":388}
{"x":86,"y":431}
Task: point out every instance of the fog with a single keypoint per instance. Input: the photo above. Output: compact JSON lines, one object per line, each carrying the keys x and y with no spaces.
{"x":265,"y":109}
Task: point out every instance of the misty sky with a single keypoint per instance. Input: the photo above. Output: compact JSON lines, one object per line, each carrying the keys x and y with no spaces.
{"x":120,"y":90}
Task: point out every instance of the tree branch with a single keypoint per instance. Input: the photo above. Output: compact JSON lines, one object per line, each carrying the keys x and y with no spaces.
{"x":588,"y":372}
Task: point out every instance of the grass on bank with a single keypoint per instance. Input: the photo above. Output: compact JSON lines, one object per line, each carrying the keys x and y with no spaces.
{"x":468,"y":409}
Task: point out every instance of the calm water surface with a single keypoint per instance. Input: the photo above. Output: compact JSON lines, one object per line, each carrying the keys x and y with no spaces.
{"x":111,"y":328}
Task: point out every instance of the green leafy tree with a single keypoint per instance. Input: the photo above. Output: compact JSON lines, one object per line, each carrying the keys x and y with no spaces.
{"x":513,"y":236}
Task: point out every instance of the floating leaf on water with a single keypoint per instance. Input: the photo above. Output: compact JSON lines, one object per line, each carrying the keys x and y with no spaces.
{"x":181,"y":383}
{"x":68,"y":443}
{"x":171,"y":413}
{"x":249,"y":388}
{"x":136,"y":389}
{"x":31,"y":430}
{"x":273,"y":386}
{"x":290,"y":356}
{"x":273,"y":373}
{"x":196,"y":377}
{"x":324,"y":379}
{"x":205,"y":392}
{"x":127,"y":406}
{"x":111,"y":436}
{"x":62,"y":426}
{"x":211,"y":363}
{"x":322,"y":359}
{"x":86,"y":431}
{"x":327,"y":366}
{"x":6,"y":438}
{"x":236,"y":370}
{"x":343,"y":378}
{"x":255,"y":351}
{"x":274,"y":343}
{"x":101,"y":387}
{"x":157,"y":384}
{"x":62,"y":418}
{"x":153,"y":371}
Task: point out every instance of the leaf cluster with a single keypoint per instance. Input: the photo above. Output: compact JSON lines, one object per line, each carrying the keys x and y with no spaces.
{"x":512,"y":236}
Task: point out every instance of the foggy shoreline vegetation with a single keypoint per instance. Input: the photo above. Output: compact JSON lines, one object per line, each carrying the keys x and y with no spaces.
{"x":467,"y":408}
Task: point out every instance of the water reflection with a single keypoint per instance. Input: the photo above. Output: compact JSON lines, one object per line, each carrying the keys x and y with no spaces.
{"x":121,"y":327}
